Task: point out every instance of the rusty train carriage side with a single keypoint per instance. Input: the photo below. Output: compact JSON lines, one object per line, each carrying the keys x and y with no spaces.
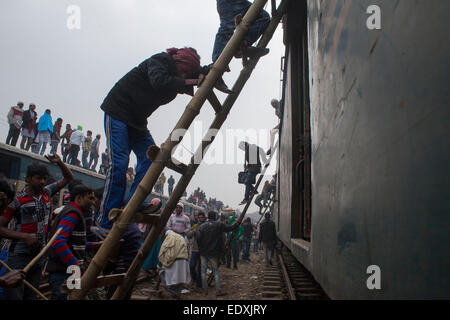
{"x":363,"y":168}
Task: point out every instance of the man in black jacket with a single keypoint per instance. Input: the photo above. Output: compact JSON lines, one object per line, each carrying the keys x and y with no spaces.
{"x":155,"y":82}
{"x":210,"y":244}
{"x":268,"y":236}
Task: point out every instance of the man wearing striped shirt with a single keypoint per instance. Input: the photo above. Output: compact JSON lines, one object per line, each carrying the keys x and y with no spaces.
{"x":179,"y":222}
{"x":70,"y":245}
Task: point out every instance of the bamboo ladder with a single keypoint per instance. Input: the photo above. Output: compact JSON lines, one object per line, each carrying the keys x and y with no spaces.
{"x":163,"y":159}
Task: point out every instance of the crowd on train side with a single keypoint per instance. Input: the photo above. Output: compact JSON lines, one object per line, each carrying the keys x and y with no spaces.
{"x":40,"y":131}
{"x":30,"y":217}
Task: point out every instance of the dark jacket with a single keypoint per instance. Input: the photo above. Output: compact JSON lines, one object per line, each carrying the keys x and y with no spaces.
{"x":210,"y":237}
{"x":267,"y":232}
{"x":141,"y":91}
{"x":248,"y":230}
{"x":27,"y":121}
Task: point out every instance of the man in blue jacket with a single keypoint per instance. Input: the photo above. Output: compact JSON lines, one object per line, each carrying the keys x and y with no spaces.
{"x":155,"y":82}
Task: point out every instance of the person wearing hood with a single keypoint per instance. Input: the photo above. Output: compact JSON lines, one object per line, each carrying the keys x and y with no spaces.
{"x":134,"y":98}
{"x":76,"y":140}
{"x":45,"y":129}
{"x":15,"y":116}
{"x":179,"y":222}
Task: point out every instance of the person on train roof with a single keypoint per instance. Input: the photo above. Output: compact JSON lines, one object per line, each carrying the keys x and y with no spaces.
{"x":134,"y":98}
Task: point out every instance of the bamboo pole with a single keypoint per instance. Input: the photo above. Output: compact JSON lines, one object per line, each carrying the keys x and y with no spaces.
{"x":123,"y":289}
{"x":25,"y":282}
{"x":43,"y":251}
{"x":145,"y":186}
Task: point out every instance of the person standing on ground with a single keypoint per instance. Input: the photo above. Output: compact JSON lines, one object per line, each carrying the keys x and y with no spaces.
{"x":173,"y":256}
{"x":28,"y":127}
{"x":195,"y":262}
{"x":210,"y":245}
{"x":71,"y":244}
{"x":15,"y":116}
{"x":247,"y":238}
{"x":30,"y":211}
{"x":170,"y":184}
{"x":179,"y":222}
{"x":233,"y":247}
{"x":162,"y":181}
{"x":45,"y":129}
{"x":56,"y":135}
{"x":268,"y":237}
{"x":86,"y":149}
{"x":76,"y":140}
{"x":95,"y":153}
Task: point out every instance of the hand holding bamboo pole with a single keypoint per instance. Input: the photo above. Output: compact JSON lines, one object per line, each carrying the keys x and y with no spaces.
{"x":43,"y":251}
{"x":25,"y":281}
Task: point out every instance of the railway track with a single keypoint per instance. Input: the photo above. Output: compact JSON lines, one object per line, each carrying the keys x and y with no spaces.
{"x":287,"y":279}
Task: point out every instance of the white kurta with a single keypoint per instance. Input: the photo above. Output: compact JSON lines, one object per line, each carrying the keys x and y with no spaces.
{"x":178,"y":272}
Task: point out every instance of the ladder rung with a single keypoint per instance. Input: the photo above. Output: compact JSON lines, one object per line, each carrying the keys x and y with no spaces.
{"x":215,"y":103}
{"x":147,"y":218}
{"x":152,"y":153}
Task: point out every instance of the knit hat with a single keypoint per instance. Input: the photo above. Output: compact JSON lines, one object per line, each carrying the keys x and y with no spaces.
{"x":80,"y":128}
{"x":187,"y":60}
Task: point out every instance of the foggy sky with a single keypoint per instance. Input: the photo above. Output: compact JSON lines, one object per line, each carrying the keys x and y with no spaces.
{"x":71,"y":71}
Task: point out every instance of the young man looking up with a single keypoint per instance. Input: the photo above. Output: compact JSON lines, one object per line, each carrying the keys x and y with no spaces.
{"x":71,"y":244}
{"x":30,"y":210}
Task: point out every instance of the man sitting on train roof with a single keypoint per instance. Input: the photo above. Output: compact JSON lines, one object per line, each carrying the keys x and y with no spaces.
{"x":155,"y":82}
{"x":30,"y":211}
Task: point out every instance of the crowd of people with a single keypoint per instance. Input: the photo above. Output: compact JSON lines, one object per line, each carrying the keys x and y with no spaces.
{"x":187,"y":245}
{"x":38,"y":132}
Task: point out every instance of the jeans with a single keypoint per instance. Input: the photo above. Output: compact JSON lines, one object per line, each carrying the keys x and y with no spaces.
{"x":54,"y":145}
{"x":56,"y":280}
{"x":215,"y":265}
{"x":95,"y":160}
{"x":41,"y":146}
{"x":13,"y":135}
{"x":233,"y":251}
{"x":84,"y":156}
{"x":227,"y":10}
{"x":255,"y":245}
{"x":121,"y":140}
{"x":249,"y":178}
{"x":23,"y":292}
{"x":268,"y":252}
{"x":195,"y":266}
{"x":246,"y":250}
{"x":74,"y":149}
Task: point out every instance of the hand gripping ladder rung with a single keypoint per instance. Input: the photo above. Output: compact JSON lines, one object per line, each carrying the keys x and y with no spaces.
{"x":100,"y":260}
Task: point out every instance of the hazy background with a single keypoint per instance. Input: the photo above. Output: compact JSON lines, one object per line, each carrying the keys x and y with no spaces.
{"x":71,"y":71}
